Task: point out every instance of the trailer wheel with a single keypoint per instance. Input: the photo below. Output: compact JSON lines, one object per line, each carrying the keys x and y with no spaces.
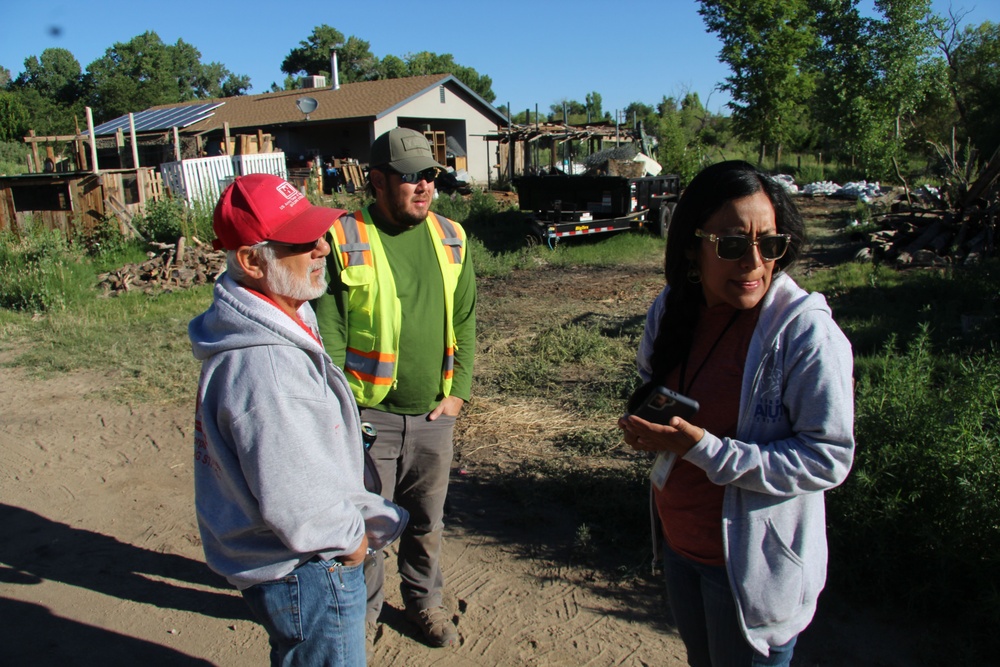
{"x":666,"y":215}
{"x":531,"y":240}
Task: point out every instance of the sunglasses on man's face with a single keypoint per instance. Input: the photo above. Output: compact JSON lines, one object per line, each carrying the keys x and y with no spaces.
{"x":428,"y":175}
{"x":733,"y":248}
{"x":297,"y":248}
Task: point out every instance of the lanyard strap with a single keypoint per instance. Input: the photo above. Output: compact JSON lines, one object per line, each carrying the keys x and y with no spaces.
{"x":729,"y":324}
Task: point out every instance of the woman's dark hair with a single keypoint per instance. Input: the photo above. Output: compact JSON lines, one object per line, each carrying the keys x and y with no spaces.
{"x":710,"y":190}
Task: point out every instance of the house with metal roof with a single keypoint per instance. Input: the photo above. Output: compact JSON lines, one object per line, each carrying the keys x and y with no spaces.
{"x":338,"y":121}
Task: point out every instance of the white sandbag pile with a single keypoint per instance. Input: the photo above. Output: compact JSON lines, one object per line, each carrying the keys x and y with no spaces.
{"x":820,"y":188}
{"x":788,"y":183}
{"x":861,"y":190}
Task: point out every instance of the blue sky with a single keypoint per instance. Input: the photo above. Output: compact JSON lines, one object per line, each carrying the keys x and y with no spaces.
{"x":537,"y":53}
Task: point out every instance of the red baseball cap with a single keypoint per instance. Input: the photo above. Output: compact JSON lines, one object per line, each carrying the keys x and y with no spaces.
{"x":262,"y":207}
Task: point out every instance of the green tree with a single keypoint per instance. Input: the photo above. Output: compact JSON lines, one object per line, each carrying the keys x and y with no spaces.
{"x":681,"y":149}
{"x":427,"y":62}
{"x":571,"y":112}
{"x":49,"y":90}
{"x":394,"y":67}
{"x":13,"y":117}
{"x":144,"y":72}
{"x":56,"y":76}
{"x":764,"y":43}
{"x":213,"y":80}
{"x":4,"y":77}
{"x":594,"y":106}
{"x":873,"y":75}
{"x":355,"y":61}
{"x":973,"y":63}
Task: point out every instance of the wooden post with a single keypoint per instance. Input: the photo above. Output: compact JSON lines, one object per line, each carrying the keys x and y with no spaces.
{"x":260,"y":141}
{"x":93,"y":140}
{"x":78,"y":155}
{"x":177,"y":145}
{"x":140,"y":183}
{"x":34,"y":150}
{"x":131,"y":136}
{"x":225,"y":143}
{"x":120,"y":145}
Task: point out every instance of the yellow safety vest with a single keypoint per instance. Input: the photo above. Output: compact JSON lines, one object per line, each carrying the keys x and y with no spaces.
{"x":374,"y":316}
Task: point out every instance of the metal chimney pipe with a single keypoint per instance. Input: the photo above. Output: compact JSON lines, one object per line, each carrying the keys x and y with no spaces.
{"x":333,"y":69}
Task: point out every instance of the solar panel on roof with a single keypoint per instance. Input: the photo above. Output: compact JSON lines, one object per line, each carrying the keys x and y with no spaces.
{"x":159,"y":119}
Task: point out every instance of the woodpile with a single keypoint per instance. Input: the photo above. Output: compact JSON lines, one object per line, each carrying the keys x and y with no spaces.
{"x":169,"y":267}
{"x":956,"y":224}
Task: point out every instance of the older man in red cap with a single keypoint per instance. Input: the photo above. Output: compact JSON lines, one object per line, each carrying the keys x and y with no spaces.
{"x":282,"y":506}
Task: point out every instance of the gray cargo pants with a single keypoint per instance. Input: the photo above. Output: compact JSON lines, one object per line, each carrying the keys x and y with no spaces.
{"x":413,"y":457}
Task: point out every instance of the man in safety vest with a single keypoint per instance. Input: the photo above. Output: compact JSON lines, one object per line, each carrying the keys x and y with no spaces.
{"x":399,"y":316}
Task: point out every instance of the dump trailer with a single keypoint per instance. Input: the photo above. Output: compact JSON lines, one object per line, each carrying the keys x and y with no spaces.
{"x":561,"y":206}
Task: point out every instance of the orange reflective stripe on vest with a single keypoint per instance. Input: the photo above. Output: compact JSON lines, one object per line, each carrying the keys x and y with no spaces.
{"x":372,"y":367}
{"x":448,"y":368}
{"x":449,"y":236}
{"x":352,"y":242}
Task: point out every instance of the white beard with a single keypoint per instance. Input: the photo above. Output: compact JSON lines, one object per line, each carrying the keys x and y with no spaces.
{"x":280,"y":280}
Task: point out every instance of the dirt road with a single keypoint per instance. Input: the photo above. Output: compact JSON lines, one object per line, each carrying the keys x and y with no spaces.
{"x":102,"y":561}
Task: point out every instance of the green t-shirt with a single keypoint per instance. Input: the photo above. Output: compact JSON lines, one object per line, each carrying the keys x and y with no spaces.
{"x":420,"y":289}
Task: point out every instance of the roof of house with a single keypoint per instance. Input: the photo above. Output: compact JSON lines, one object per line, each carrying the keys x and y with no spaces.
{"x":365,"y":99}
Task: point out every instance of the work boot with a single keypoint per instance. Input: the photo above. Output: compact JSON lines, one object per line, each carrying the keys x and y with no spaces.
{"x":435,"y":623}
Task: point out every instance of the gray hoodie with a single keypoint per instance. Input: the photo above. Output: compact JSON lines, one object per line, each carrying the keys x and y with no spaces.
{"x":278,"y":454}
{"x":795,"y":440}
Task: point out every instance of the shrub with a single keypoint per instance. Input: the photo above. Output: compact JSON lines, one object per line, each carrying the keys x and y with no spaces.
{"x":168,"y":219}
{"x":13,"y":157}
{"x":32,"y":270}
{"x":105,"y":238}
{"x":916,"y":522}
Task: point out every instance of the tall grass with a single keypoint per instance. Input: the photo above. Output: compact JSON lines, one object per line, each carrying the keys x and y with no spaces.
{"x":13,"y":158}
{"x":34,"y":267}
{"x":916,"y":523}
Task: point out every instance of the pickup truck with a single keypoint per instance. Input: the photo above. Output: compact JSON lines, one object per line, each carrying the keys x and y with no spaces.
{"x":560,"y":206}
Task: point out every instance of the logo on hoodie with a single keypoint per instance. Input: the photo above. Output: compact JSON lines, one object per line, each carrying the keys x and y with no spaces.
{"x":769,"y":410}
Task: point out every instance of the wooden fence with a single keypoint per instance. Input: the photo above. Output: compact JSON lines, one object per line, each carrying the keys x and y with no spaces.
{"x":76,"y":202}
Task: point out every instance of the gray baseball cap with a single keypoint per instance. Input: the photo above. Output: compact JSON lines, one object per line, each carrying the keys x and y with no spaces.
{"x":403,"y":149}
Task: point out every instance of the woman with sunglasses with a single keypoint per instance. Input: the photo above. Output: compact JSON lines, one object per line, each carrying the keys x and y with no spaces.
{"x":737,"y":491}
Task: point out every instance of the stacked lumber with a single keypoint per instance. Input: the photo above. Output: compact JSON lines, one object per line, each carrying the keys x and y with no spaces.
{"x":351,"y":174}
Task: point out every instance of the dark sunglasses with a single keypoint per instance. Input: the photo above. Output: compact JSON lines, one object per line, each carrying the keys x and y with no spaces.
{"x":297,"y":248}
{"x":428,"y":175}
{"x":733,"y":248}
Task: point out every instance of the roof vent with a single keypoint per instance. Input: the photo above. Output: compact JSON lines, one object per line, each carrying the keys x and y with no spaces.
{"x":315,"y":81}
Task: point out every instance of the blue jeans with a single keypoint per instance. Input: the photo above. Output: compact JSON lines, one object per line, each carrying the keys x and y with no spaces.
{"x":705,"y":613}
{"x":315,"y":616}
